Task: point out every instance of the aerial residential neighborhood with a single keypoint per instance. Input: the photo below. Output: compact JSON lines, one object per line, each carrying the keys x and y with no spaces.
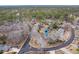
{"x":39,"y":29}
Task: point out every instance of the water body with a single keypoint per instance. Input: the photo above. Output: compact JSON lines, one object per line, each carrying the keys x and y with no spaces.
{"x":4,"y":47}
{"x":46,"y":6}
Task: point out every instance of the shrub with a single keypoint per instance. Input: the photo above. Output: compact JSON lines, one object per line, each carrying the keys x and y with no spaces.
{"x":1,"y":51}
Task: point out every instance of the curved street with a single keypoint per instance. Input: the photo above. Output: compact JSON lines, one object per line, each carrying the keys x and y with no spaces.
{"x":60,"y":46}
{"x":26,"y":46}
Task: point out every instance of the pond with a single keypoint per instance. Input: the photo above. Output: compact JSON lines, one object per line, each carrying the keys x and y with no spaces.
{"x":4,"y":47}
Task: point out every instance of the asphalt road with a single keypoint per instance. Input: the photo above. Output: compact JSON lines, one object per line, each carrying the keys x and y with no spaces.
{"x":26,"y":46}
{"x":60,"y":46}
